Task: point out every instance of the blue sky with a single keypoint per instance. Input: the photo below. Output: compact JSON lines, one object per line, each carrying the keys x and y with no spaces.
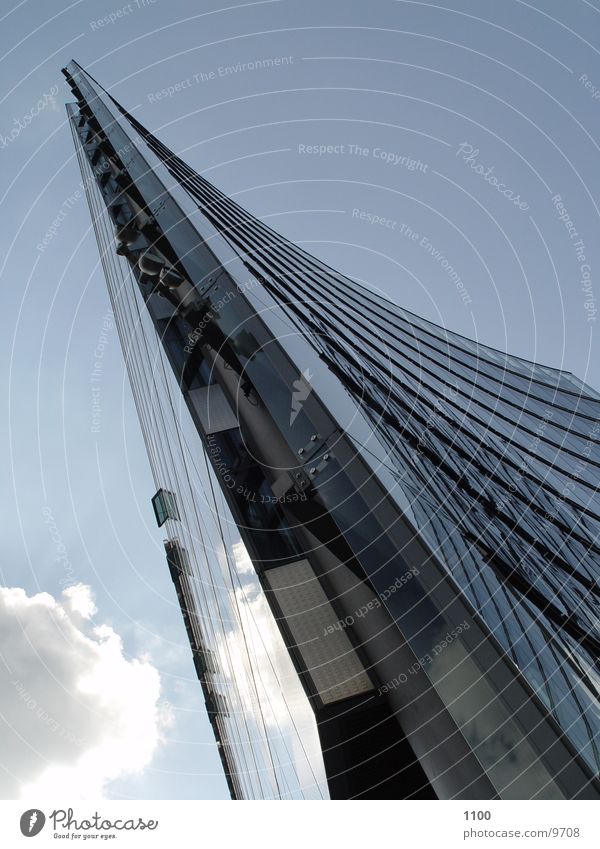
{"x":310,"y":114}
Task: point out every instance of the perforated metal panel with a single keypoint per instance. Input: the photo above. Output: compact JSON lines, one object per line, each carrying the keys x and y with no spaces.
{"x":325,"y":648}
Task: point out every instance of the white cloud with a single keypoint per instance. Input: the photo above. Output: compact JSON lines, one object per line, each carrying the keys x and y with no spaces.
{"x":80,"y":600}
{"x":75,"y":712}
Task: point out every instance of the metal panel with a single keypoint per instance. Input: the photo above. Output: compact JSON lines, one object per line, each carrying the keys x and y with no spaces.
{"x":213,"y":408}
{"x":327,"y":653}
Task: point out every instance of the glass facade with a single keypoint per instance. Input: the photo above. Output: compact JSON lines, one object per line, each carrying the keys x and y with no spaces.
{"x":498,"y":457}
{"x":423,"y":450}
{"x":263,"y":725}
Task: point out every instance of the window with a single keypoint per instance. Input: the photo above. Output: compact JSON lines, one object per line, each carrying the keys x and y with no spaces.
{"x":165,"y":506}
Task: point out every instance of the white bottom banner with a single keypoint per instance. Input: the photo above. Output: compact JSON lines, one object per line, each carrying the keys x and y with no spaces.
{"x":299,"y":824}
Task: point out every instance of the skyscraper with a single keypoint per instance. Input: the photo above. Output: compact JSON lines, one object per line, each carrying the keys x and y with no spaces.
{"x":419,"y":513}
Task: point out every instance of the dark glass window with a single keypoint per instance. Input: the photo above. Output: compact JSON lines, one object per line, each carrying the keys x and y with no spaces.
{"x":183,"y":349}
{"x":261,"y":512}
{"x":165,"y":506}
